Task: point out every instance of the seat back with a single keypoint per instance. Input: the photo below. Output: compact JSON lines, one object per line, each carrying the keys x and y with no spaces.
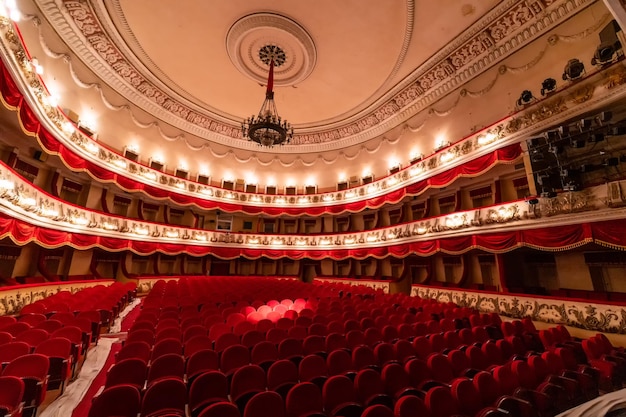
{"x":164,"y":394}
{"x":120,"y":400}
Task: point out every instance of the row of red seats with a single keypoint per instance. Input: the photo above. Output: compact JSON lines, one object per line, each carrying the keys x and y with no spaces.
{"x":431,"y":364}
{"x":108,"y":299}
{"x":27,"y":378}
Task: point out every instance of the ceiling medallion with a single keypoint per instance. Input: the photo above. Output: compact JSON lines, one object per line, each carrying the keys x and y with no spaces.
{"x":249,"y":38}
{"x":268,"y":128}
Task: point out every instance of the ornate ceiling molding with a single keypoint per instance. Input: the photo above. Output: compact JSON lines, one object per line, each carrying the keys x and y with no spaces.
{"x":250,"y":33}
{"x":506,"y":29}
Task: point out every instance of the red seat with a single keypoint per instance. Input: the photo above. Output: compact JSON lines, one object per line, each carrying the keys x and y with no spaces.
{"x":59,"y":353}
{"x":166,"y":346}
{"x":33,"y":337}
{"x":264,"y":353}
{"x":339,"y":362}
{"x":363,"y":357}
{"x":418,"y":371}
{"x":466,"y":395}
{"x":247,"y":381}
{"x":11,"y":393}
{"x":252,"y":337}
{"x":303,"y":398}
{"x":396,"y":380}
{"x":130,"y":371}
{"x":142,"y":335}
{"x":275,"y":335}
{"x":440,"y":402}
{"x":169,"y":366}
{"x":51,"y":325}
{"x":440,"y":367}
{"x":139,"y":350}
{"x":312,"y":368}
{"x":119,"y":400}
{"x":370,"y":388}
{"x":6,"y":321}
{"x":264,"y":404}
{"x":411,"y":406}
{"x":17,"y":328}
{"x":234,"y":357}
{"x":459,"y":361}
{"x":33,"y":370}
{"x":5,"y":338}
{"x":32,"y":319}
{"x":377,"y":411}
{"x":339,"y":396}
{"x":221,"y":409}
{"x":201,"y":361}
{"x":487,"y":387}
{"x":12,"y":350}
{"x":207,"y":388}
{"x":505,"y":378}
{"x":225,"y":340}
{"x":196,"y":343}
{"x":290,"y":348}
{"x":281,"y":376}
{"x":167,"y":396}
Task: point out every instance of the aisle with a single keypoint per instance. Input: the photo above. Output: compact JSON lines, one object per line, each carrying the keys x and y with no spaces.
{"x":76,"y":399}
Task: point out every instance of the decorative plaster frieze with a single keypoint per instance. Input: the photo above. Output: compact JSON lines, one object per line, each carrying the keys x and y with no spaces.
{"x":585,"y":315}
{"x":22,"y":200}
{"x":12,"y":300}
{"x":369,"y":283}
{"x":512,"y":25}
{"x":598,"y":89}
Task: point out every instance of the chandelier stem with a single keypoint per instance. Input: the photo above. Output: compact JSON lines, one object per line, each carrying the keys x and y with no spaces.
{"x":270,"y":80}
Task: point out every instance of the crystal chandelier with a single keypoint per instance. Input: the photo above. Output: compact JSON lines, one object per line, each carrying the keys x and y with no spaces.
{"x":268,"y":128}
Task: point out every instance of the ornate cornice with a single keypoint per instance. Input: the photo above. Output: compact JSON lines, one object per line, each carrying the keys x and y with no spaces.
{"x":506,"y":29}
{"x":598,"y":89}
{"x":22,"y":200}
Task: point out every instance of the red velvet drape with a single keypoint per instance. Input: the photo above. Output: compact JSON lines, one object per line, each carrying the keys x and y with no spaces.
{"x":13,"y":99}
{"x":610,"y":233}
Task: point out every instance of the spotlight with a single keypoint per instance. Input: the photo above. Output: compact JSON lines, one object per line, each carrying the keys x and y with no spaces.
{"x":604,"y":117}
{"x":548,"y":86}
{"x":536,"y":157}
{"x":573,"y":70}
{"x":525,"y":98}
{"x":584,"y":124}
{"x":542,"y":179}
{"x":596,"y":137}
{"x":555,"y":149}
{"x":552,"y":135}
{"x":563,"y":131}
{"x":570,"y":186}
{"x":548,"y":193}
{"x":603,"y":55}
{"x":618,"y":131}
{"x":588,"y":168}
{"x":577,"y":143}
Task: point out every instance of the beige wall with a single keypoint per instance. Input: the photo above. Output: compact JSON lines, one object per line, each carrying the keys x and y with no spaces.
{"x":572,"y":271}
{"x":79,"y":262}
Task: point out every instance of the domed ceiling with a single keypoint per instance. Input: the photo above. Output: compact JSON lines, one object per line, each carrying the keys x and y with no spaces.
{"x":158,"y":74}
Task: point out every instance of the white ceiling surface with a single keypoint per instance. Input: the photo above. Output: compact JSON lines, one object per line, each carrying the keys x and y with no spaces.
{"x":359,"y":61}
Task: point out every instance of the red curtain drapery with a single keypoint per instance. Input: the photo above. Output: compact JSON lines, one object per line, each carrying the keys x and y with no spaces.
{"x":557,"y":238}
{"x":13,"y":99}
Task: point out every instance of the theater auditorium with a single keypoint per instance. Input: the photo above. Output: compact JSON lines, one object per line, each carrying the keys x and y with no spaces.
{"x":332,"y":208}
